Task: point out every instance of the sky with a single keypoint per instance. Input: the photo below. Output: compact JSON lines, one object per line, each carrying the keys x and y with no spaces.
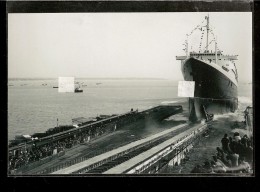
{"x":119,"y":45}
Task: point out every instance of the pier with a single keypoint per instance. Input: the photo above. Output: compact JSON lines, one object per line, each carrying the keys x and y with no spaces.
{"x":51,"y":147}
{"x":141,"y":155}
{"x":156,"y":152}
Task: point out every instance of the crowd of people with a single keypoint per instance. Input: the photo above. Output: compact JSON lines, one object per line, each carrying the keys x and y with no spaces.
{"x":32,"y":153}
{"x":235,"y":156}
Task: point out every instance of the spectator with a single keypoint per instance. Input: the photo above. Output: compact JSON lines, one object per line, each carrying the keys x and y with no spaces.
{"x":234,"y":159}
{"x":237,"y":137}
{"x":197,"y":169}
{"x":244,"y":140}
{"x":206,"y":168}
{"x":231,"y":144}
{"x":225,"y":143}
{"x":220,"y":167}
{"x":249,"y":154}
{"x":244,"y":166}
{"x":223,"y":157}
{"x":241,"y":149}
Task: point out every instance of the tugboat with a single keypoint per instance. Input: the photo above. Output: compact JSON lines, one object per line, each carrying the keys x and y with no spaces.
{"x":215,"y":76}
{"x":78,"y":89}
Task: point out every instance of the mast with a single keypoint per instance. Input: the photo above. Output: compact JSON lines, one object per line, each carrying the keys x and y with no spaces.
{"x":216,"y":50}
{"x":207,"y":17}
{"x":187,"y":47}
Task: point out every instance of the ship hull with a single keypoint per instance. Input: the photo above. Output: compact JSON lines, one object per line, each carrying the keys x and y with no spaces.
{"x":214,"y":93}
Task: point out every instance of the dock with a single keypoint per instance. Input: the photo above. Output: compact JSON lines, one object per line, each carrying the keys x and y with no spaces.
{"x":126,"y":158}
{"x":83,"y":134}
{"x":151,"y":157}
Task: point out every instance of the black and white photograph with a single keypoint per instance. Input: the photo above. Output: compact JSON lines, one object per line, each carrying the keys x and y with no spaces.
{"x":130,"y":93}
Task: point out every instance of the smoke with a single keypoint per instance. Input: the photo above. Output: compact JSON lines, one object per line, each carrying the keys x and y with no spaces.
{"x":169,"y":102}
{"x":243,"y":102}
{"x":151,"y":125}
{"x":226,"y":116}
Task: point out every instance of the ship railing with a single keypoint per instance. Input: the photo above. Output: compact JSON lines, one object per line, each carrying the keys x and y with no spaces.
{"x":181,"y":57}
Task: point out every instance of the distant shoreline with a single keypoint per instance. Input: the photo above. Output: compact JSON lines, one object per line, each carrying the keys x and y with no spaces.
{"x":91,"y":78}
{"x":108,"y":78}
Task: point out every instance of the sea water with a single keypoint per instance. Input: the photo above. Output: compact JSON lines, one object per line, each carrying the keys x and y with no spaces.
{"x":35,"y":106}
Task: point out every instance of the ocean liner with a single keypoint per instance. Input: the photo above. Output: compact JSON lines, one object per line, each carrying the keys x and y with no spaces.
{"x":215,"y":76}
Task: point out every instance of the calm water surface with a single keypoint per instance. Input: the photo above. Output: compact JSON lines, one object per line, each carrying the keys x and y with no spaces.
{"x":33,"y":107}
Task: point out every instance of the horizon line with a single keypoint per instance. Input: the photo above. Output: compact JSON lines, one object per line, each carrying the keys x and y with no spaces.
{"x":134,"y":78}
{"x":111,"y":78}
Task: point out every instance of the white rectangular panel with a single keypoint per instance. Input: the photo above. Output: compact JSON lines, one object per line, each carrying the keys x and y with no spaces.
{"x":66,"y":85}
{"x":186,"y":88}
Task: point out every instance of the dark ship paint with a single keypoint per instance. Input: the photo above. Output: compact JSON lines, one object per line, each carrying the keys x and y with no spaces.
{"x":215,"y":77}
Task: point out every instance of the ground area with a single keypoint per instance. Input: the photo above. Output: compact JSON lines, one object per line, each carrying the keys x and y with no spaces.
{"x":201,"y":152}
{"x":206,"y":147}
{"x":114,"y":140}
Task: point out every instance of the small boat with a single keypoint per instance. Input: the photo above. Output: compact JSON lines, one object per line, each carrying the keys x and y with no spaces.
{"x":55,"y":87}
{"x":78,"y":90}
